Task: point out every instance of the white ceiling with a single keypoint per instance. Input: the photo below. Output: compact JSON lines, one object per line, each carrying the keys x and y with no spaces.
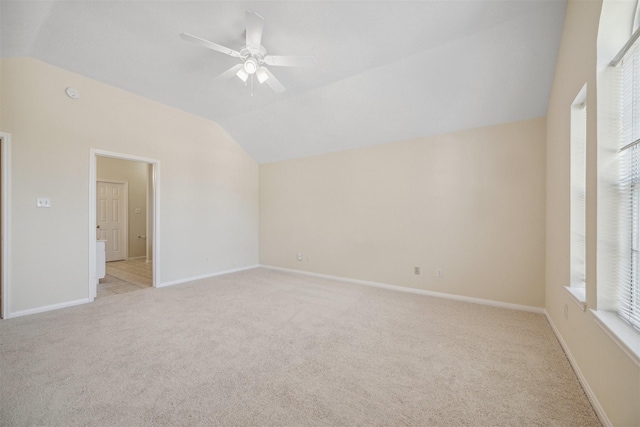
{"x":387,"y":70}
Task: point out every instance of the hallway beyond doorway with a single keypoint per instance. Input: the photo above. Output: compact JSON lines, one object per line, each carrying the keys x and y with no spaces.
{"x":126,"y":276}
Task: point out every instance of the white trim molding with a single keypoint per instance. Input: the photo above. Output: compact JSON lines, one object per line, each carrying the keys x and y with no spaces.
{"x":49,"y":307}
{"x":6,"y":224}
{"x":205,"y":276}
{"x":87,"y":300}
{"x":415,"y":291}
{"x":583,"y":381}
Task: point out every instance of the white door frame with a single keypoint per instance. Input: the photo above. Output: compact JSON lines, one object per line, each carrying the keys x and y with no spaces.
{"x":5,"y":146}
{"x":93,"y":154}
{"x":125,"y":238}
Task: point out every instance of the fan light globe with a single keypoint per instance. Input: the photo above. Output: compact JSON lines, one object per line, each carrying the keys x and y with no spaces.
{"x":250,"y":66}
{"x":262,"y":75}
{"x":242,"y":75}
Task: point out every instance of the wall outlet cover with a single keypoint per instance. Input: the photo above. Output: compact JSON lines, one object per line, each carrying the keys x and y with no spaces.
{"x":43,"y":202}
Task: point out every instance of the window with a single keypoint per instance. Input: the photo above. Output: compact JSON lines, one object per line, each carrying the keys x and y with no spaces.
{"x":616,"y":307}
{"x":628,"y":124}
{"x":578,"y":163}
{"x":578,"y":188}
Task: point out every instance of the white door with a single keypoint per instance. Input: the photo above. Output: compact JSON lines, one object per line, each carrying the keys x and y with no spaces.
{"x":112,"y":219}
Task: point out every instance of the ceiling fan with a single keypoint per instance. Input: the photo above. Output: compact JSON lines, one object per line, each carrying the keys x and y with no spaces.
{"x":254,"y":56}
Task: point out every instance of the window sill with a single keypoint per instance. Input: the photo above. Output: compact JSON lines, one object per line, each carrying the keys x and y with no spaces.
{"x":578,"y":295}
{"x":627,"y":338}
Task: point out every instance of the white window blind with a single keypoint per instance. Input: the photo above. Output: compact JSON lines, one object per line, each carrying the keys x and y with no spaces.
{"x":629,"y":186}
{"x":578,"y":188}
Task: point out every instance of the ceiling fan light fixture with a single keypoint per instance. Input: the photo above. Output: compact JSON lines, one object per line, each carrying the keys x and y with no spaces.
{"x":250,"y":66}
{"x":262,"y":75}
{"x":252,"y":56}
{"x":242,"y":75}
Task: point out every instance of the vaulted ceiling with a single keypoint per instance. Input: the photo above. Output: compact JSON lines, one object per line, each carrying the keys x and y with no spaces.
{"x":386,"y":70}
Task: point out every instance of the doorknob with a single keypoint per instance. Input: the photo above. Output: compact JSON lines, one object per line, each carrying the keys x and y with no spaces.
{"x":97,"y":226}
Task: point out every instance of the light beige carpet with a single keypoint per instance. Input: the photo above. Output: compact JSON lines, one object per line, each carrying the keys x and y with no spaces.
{"x":261,"y":348}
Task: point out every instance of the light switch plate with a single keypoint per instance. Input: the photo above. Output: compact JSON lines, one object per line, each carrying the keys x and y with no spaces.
{"x":43,"y":202}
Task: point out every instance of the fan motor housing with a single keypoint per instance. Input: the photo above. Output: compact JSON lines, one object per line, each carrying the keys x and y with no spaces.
{"x":250,"y":52}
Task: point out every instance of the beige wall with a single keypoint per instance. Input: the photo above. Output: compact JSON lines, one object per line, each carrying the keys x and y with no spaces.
{"x":610,"y":374}
{"x":208,"y":184}
{"x":471,"y":203}
{"x":135,"y":175}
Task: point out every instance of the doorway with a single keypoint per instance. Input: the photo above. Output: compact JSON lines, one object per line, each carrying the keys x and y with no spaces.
{"x":124,"y":219}
{"x":5,"y":224}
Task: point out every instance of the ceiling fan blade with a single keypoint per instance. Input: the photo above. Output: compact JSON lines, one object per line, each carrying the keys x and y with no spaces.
{"x":254,"y":30}
{"x":231,"y":72}
{"x":210,"y":45}
{"x":290,"y":61}
{"x":273,"y":82}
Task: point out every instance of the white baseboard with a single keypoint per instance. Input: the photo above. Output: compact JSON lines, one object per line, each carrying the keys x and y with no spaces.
{"x":415,"y":291}
{"x":136,"y":257}
{"x":48,"y":308}
{"x":205,"y":276}
{"x":583,"y":381}
{"x":86,"y":300}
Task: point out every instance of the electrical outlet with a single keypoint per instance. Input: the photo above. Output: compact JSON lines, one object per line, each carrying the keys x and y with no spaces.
{"x":299,"y":256}
{"x":439,"y":273}
{"x":43,"y":202}
{"x":416,"y":270}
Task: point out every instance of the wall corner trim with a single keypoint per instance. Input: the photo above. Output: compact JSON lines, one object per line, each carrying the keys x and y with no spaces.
{"x":583,"y":381}
{"x":414,"y":290}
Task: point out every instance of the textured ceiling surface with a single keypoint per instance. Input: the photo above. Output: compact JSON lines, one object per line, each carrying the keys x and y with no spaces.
{"x":387,"y":70}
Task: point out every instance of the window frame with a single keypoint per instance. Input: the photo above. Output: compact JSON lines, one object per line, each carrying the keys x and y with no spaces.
{"x":628,"y":289}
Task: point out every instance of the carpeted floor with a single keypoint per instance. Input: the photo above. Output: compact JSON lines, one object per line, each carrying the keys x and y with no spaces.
{"x":262,"y":347}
